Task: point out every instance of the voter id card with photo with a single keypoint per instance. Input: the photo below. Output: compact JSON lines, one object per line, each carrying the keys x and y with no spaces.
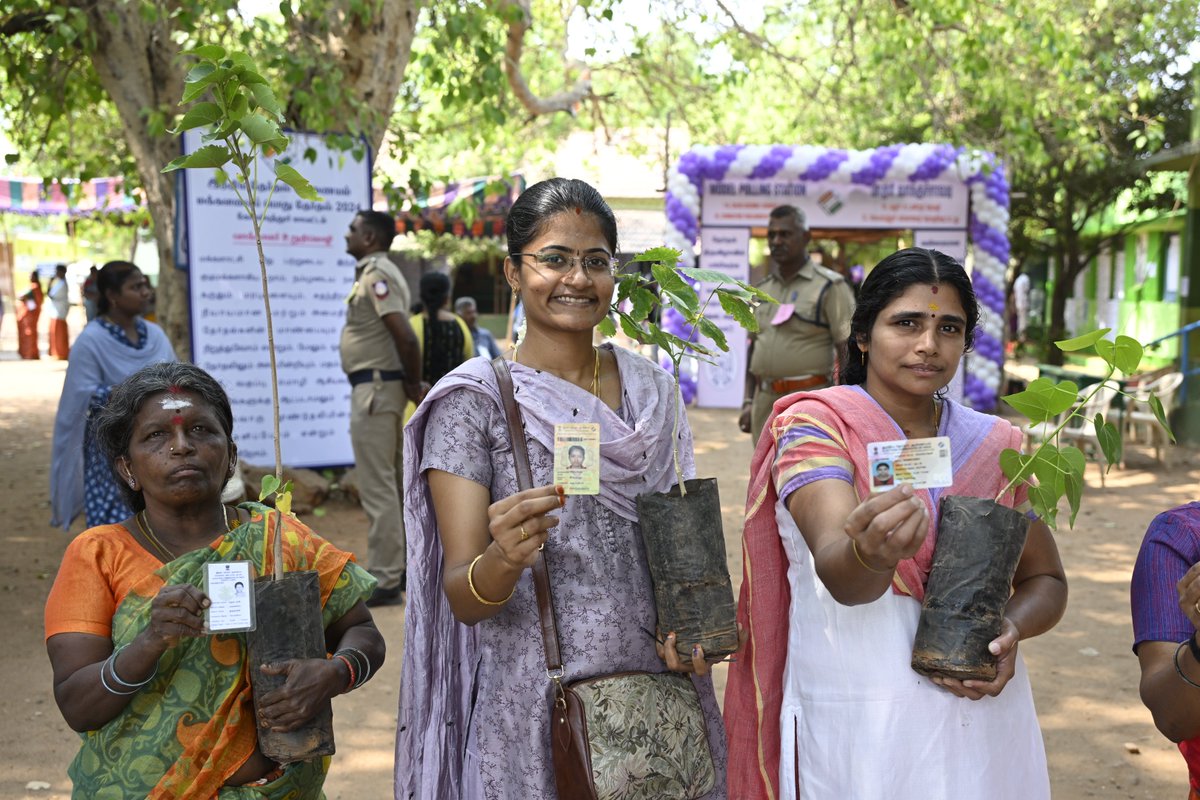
{"x":230,"y":589}
{"x":921,"y":463}
{"x":577,"y":457}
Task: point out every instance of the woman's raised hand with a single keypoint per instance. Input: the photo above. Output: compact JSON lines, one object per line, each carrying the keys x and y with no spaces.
{"x":888,"y":527}
{"x":176,"y":611}
{"x":520,"y":523}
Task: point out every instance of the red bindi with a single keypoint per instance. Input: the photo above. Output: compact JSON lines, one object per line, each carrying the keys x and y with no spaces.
{"x":934,"y":288}
{"x":177,"y":420}
{"x":578,"y":211}
{"x":174,"y":389}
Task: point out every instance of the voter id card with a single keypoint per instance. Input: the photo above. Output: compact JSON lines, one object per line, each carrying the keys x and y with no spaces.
{"x":577,"y":457}
{"x":230,"y":590}
{"x":921,"y":463}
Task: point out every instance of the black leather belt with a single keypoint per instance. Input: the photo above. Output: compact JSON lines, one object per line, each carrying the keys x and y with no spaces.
{"x":368,"y":375}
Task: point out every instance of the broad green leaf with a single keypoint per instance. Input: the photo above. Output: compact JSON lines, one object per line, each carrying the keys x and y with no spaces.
{"x":1043,"y":400}
{"x":214,"y":155}
{"x":1125,"y":353}
{"x":739,"y":310}
{"x":668,"y":255}
{"x":199,"y":73}
{"x":210,"y":51}
{"x":1076,"y":464}
{"x":633,"y":330}
{"x":242,"y":60}
{"x":709,"y":328}
{"x":608,"y":327}
{"x":1048,"y":466}
{"x":266,"y":100}
{"x":249,"y":77}
{"x":1160,"y":414}
{"x":643,"y":303}
{"x":1110,"y":440}
{"x":269,"y":484}
{"x":1081,"y":342}
{"x":707,"y":275}
{"x":259,"y":128}
{"x":197,"y":115}
{"x":676,"y":288}
{"x":1045,"y":504}
{"x":1012,"y":463}
{"x":298,"y":182}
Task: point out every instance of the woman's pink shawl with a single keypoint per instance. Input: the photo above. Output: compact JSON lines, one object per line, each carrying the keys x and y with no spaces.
{"x":830,"y":430}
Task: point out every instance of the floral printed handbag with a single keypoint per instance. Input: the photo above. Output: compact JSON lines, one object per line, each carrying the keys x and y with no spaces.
{"x":625,"y":736}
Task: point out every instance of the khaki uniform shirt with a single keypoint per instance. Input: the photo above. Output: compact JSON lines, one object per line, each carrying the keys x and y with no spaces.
{"x":379,"y":289}
{"x":803,"y":343}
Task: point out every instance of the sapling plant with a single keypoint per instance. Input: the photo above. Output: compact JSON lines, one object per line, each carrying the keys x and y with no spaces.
{"x":676,"y":288}
{"x":1059,"y":469}
{"x":241,"y":115}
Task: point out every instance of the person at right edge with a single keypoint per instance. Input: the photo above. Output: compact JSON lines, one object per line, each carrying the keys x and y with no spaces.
{"x":1165,"y":597}
{"x":793,"y":350}
{"x":381,"y":357}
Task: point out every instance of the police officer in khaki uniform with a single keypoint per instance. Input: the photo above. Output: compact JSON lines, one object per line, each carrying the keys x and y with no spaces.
{"x":794,"y":348}
{"x":382,"y":359}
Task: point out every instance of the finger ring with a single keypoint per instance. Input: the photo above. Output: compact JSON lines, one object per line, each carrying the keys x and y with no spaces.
{"x":524,"y":533}
{"x":1197,"y":606}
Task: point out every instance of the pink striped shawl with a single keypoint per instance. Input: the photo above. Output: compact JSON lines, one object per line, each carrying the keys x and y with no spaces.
{"x":813,"y":436}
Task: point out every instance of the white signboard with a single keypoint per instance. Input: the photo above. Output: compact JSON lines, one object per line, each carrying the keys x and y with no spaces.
{"x":721,"y":385}
{"x":952,"y":243}
{"x":310,"y":277}
{"x":884,"y":205}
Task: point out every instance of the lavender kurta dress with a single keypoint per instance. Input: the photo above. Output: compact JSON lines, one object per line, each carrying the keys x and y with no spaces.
{"x":474,"y":707}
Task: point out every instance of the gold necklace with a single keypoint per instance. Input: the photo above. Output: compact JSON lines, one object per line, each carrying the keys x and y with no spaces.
{"x":143,"y":523}
{"x":937,"y":416}
{"x":595,"y":369}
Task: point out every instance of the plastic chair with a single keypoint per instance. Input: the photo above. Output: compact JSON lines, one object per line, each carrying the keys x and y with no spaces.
{"x":1079,"y":432}
{"x":1139,"y":417}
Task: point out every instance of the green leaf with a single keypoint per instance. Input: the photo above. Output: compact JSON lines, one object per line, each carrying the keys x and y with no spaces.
{"x":1124,"y":354}
{"x":199,"y":73}
{"x":12,"y":158}
{"x":1081,"y":342}
{"x":633,"y":330}
{"x":643,"y":301}
{"x":259,"y":128}
{"x":1110,"y":440}
{"x":197,"y":115}
{"x":709,"y":328}
{"x":668,"y":255}
{"x":676,"y":288}
{"x":1160,"y":414}
{"x":266,"y":100}
{"x":1049,"y":467}
{"x":269,"y":484}
{"x":210,"y":51}
{"x":1076,"y":463}
{"x":608,"y":327}
{"x":739,"y":310}
{"x":194,"y":89}
{"x":319,"y":511}
{"x":214,"y":155}
{"x":707,"y":275}
{"x":1044,"y":400}
{"x":1045,"y":504}
{"x":298,"y":182}
{"x":1012,"y":463}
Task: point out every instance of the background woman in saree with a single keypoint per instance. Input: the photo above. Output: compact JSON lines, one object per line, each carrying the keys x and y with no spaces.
{"x":475,"y":698}
{"x":823,"y":703}
{"x":164,"y":710}
{"x":29,"y":310}
{"x":113,"y":346}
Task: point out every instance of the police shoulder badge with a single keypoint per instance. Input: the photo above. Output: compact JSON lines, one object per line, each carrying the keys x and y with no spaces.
{"x":380,"y":288}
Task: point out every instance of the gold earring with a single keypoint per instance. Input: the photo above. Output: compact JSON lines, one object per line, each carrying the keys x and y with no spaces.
{"x":862,"y":358}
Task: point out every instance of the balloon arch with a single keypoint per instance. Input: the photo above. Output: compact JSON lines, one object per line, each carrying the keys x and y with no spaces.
{"x":912,"y":164}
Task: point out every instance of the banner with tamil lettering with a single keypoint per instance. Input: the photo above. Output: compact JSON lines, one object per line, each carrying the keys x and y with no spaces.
{"x":310,"y":277}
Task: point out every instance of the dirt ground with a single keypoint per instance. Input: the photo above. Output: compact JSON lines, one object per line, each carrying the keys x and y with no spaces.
{"x":1099,"y":738}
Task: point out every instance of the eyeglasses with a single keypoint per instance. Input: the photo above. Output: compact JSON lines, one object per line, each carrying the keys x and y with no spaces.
{"x":594,"y":265}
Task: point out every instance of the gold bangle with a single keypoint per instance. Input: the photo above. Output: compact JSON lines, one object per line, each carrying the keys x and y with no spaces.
{"x":866,"y":566}
{"x":474,"y":591}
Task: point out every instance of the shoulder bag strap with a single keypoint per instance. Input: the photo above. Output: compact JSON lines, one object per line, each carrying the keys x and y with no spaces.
{"x":541,"y":573}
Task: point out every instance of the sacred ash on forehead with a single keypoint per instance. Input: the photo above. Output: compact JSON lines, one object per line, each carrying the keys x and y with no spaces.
{"x":175,"y":400}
